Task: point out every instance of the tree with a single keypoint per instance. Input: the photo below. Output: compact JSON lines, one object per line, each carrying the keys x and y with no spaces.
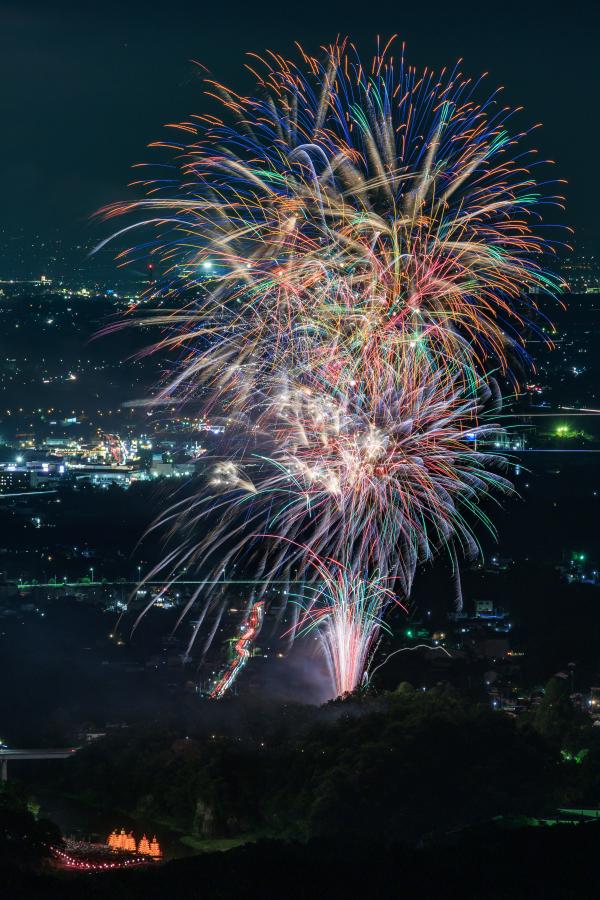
{"x":555,"y":716}
{"x":24,"y":840}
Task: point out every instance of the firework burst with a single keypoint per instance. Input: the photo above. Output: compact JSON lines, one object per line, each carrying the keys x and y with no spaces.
{"x":354,"y":215}
{"x":345,"y":256}
{"x":377,"y":486}
{"x":347,"y":612}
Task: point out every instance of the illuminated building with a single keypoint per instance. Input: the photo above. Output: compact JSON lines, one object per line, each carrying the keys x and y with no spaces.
{"x":484,"y":608}
{"x":14,"y":479}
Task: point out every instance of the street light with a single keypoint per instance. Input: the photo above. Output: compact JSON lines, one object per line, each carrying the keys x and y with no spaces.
{"x":92,"y":571}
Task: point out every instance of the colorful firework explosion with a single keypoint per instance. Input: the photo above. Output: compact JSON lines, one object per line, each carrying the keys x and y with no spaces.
{"x":344,"y":255}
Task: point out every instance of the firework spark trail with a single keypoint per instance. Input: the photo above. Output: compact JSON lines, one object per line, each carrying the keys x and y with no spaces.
{"x":347,"y":611}
{"x":250,"y":630}
{"x":342,"y":268}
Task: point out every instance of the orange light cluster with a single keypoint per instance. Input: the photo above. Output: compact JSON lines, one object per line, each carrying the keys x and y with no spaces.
{"x":126,"y":842}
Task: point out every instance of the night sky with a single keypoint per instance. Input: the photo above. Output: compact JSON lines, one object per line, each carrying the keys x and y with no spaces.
{"x":85,"y":86}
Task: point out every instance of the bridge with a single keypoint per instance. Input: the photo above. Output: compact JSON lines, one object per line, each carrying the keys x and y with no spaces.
{"x":44,"y":753}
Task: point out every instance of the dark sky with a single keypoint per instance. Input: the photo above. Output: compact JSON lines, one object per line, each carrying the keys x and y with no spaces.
{"x":85,"y":86}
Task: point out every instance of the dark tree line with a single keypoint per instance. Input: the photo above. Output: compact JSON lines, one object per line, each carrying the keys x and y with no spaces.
{"x":402,"y":767}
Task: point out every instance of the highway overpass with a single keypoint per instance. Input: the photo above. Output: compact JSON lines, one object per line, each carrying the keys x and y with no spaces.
{"x":44,"y":753}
